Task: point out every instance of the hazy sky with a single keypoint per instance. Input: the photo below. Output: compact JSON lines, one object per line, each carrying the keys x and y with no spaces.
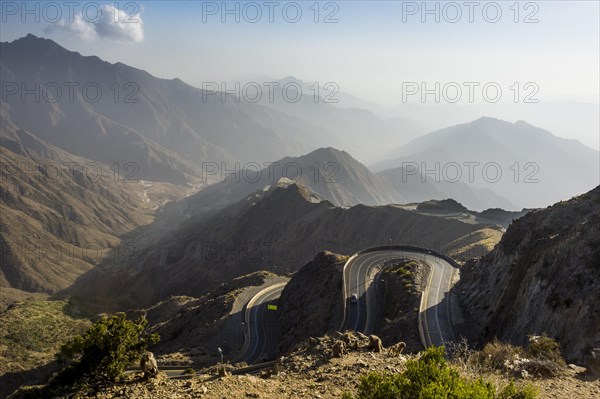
{"x":373,"y":50}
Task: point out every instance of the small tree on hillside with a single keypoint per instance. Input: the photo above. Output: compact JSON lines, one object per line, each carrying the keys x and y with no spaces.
{"x":104,"y":351}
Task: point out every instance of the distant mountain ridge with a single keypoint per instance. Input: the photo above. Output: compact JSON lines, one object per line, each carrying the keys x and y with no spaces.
{"x":336,"y":176}
{"x":322,"y":104}
{"x":166,"y":127}
{"x":528,"y":165}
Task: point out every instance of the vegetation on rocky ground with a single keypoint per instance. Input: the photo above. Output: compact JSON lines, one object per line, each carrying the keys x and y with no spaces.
{"x":31,"y":332}
{"x":99,"y":355}
{"x":431,"y":376}
{"x":540,"y":358}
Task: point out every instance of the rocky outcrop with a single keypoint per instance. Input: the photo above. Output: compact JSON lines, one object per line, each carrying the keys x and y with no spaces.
{"x":311,"y":303}
{"x":403,"y":282}
{"x":543,"y":277}
{"x":446,"y":205}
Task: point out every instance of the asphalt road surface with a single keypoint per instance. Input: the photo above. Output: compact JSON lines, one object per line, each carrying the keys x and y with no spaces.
{"x":262,"y":333}
{"x":360,"y":279}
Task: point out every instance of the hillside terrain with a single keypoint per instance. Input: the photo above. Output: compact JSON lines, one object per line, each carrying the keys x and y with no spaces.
{"x":403,"y":284}
{"x":247,"y":236}
{"x":319,"y":283}
{"x":542,"y":277}
{"x":31,"y":333}
{"x":400,"y":296}
{"x":69,"y":213}
{"x":192,"y":328}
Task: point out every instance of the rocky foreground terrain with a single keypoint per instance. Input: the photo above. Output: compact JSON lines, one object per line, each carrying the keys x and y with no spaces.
{"x":310,"y":371}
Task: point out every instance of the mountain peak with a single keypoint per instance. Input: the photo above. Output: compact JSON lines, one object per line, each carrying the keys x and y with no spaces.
{"x":291,"y":78}
{"x":34,"y":44}
{"x":489,"y":120}
{"x":328,"y":154}
{"x":291,"y":191}
{"x":30,"y":38}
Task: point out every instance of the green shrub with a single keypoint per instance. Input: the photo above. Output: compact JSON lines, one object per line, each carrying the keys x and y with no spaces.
{"x":106,"y":348}
{"x":545,"y":348}
{"x":512,"y":392}
{"x":189,"y":371}
{"x":431,"y":377}
{"x":100,"y":354}
{"x":496,"y":353}
{"x":104,"y":351}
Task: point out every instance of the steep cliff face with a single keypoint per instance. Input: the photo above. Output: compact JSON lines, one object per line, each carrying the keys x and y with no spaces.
{"x":543,"y":277}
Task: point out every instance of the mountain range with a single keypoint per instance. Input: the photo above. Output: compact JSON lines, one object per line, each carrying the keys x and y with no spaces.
{"x":116,"y":113}
{"x":143,"y":130}
{"x":528,"y":165}
{"x":278,"y":229}
{"x":336,"y":176}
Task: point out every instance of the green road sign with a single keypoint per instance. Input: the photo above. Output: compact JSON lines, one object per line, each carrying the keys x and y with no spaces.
{"x":272,"y":307}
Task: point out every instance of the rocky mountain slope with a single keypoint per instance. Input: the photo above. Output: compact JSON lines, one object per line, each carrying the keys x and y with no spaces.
{"x":60,"y":213}
{"x":278,"y":230}
{"x":319,"y":283}
{"x":543,"y":277}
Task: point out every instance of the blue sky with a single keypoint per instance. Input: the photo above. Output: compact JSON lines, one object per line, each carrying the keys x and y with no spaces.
{"x":369,"y":52}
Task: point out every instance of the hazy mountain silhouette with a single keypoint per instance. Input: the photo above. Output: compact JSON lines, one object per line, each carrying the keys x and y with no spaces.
{"x":352,"y":125}
{"x":336,"y":176}
{"x":166,"y":126}
{"x":537,"y":168}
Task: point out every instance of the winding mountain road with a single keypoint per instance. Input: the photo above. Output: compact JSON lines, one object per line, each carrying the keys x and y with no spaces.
{"x":360,"y":278}
{"x":261,"y":339}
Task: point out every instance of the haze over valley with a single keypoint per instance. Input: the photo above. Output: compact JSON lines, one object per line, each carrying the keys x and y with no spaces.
{"x":196,"y":204}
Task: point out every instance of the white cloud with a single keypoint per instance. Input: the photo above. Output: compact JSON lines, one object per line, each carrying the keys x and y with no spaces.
{"x":128,"y":28}
{"x":78,"y":27}
{"x":112,"y":24}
